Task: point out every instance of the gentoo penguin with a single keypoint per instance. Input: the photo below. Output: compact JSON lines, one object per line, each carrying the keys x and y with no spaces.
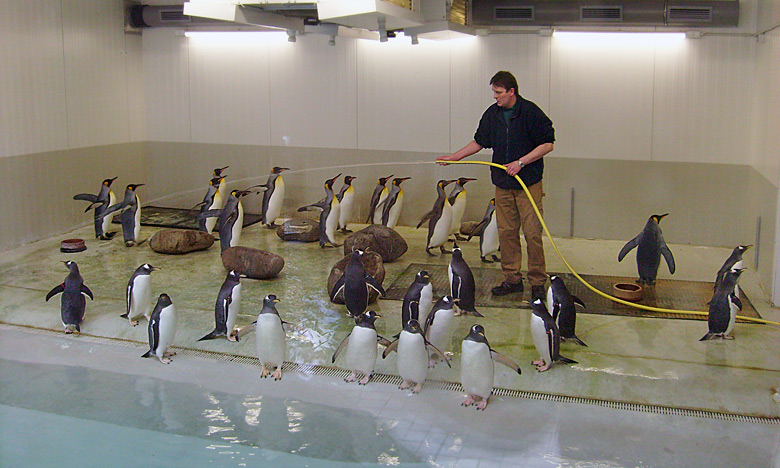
{"x":329,"y":214}
{"x":361,"y":347}
{"x":162,"y":329}
{"x":231,"y":219}
{"x":438,"y":327}
{"x":131,"y":214}
{"x":213,"y":200}
{"x":227,"y":307}
{"x":380,"y":193}
{"x":271,"y":338}
{"x":138,"y":294}
{"x":733,"y":262}
{"x":724,"y":306}
{"x":412,"y":361}
{"x":547,"y":338}
{"x":462,"y":286}
{"x":273,"y":197}
{"x":651,"y":246}
{"x":346,"y":198}
{"x":439,"y":220}
{"x":393,"y":204}
{"x":562,"y":303}
{"x":476,"y":367}
{"x":418,"y":299}
{"x":72,"y":302}
{"x":487,"y":229}
{"x":355,"y":283}
{"x":100,"y":203}
{"x":457,"y":199}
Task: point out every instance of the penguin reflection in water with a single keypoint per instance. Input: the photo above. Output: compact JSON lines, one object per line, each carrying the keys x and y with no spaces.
{"x":162,"y":330}
{"x":138,"y":294}
{"x":72,"y":303}
{"x":360,"y":347}
{"x":270,"y":338}
{"x":546,"y":336}
{"x":650,"y":246}
{"x":477,"y":368}
{"x":724,"y":306}
{"x":412,"y":348}
{"x":100,"y":203}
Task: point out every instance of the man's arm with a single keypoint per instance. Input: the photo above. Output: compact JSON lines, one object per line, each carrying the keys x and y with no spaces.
{"x":466,"y":151}
{"x":537,"y":153}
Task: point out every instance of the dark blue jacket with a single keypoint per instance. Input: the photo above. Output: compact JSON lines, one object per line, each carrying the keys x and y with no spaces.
{"x":528,"y":128}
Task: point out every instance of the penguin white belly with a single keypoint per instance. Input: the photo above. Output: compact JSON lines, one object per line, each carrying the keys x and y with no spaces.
{"x":234,"y":308}
{"x":216,"y":204}
{"x":395,"y":211}
{"x":550,"y":299}
{"x":332,"y":222}
{"x":361,"y":350}
{"x":539,"y":334}
{"x":378,"y":209}
{"x":219,"y":200}
{"x":450,"y":275}
{"x":739,"y":265}
{"x":489,"y":241}
{"x":346,"y":208}
{"x":275,"y":202}
{"x":425,"y":304}
{"x":441,"y":230}
{"x":137,"y":220}
{"x":141,"y":298}
{"x":412,"y":357}
{"x":440,"y":333}
{"x":167,"y":330}
{"x":108,"y":219}
{"x":235,"y":236}
{"x":733,"y":311}
{"x":457,"y":212}
{"x":271,"y":340}
{"x":476,"y":369}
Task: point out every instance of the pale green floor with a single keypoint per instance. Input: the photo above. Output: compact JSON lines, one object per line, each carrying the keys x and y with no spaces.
{"x":637,"y":360}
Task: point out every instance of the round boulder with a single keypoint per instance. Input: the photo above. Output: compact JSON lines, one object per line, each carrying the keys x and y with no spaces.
{"x":180,"y":241}
{"x":372,"y":262}
{"x":467,"y":227}
{"x":254,"y":263}
{"x":377,"y":238}
{"x":300,"y":230}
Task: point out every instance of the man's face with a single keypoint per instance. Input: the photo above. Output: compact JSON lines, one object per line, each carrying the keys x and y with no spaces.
{"x":503,"y":97}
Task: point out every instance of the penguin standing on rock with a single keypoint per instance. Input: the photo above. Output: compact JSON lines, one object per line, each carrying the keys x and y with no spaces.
{"x":273,"y":197}
{"x":457,"y":199}
{"x":355,"y":283}
{"x":462,"y":285}
{"x":487,"y":230}
{"x":162,"y":330}
{"x":418,"y":299}
{"x":227,"y":307}
{"x":100,"y":203}
{"x":361,"y":347}
{"x":438,"y":327}
{"x":546,"y":336}
{"x":329,"y":214}
{"x":392,"y":205}
{"x":379,"y":195}
{"x":346,"y":198}
{"x":131,"y":214}
{"x":650,"y":246}
{"x":271,"y":338}
{"x":724,"y":306}
{"x":439,"y":220}
{"x":412,"y":361}
{"x":733,"y":262}
{"x":72,"y":303}
{"x":477,"y":368}
{"x":138,"y":294}
{"x":562,"y":303}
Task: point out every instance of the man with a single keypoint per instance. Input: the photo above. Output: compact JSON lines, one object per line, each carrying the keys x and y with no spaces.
{"x":520,"y":135}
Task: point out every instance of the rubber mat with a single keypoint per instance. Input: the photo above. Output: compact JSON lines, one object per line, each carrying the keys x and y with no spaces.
{"x":178,"y":218}
{"x":666,"y":294}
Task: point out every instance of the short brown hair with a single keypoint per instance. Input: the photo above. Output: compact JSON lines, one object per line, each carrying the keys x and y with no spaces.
{"x":505,"y":80}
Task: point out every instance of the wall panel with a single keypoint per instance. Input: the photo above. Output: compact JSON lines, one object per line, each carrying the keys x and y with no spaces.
{"x":166,"y":85}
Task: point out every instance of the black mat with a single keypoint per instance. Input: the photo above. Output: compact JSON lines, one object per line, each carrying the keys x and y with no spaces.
{"x":666,"y":294}
{"x":178,"y":218}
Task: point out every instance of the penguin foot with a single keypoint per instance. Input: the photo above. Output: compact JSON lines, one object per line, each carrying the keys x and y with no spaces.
{"x":404,"y":385}
{"x":165,"y":360}
{"x":233,"y":336}
{"x":728,"y":337}
{"x":264,"y":372}
{"x":277,"y":375}
{"x":365,"y":380}
{"x":428,"y":251}
{"x":540,"y":366}
{"x":271,"y":225}
{"x":444,"y":251}
{"x":485,"y":260}
{"x":482,"y":404}
{"x":107,"y":236}
{"x":468,"y":401}
{"x":134,"y":323}
{"x":129,"y":243}
{"x":169,"y":353}
{"x":432,"y":362}
{"x":496,"y":258}
{"x":346,"y":231}
{"x":417,"y":388}
{"x":352,"y":377}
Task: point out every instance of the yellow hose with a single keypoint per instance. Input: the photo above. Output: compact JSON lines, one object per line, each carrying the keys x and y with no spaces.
{"x":601,"y":293}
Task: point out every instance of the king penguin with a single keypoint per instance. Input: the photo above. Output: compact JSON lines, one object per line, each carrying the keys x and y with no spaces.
{"x":329,"y":214}
{"x":546,"y":336}
{"x":562,"y":303}
{"x":733,"y":262}
{"x":462,"y":285}
{"x":477,"y":369}
{"x":227,"y":307}
{"x":231,"y":219}
{"x":72,"y":303}
{"x":355,"y":283}
{"x":100,"y":203}
{"x":346,"y":197}
{"x":439,"y":220}
{"x":412,"y":361}
{"x":213,"y":200}
{"x":379,"y":195}
{"x":651,"y":246}
{"x":457,"y":199}
{"x":273,"y":197}
{"x":360,"y":347}
{"x":162,"y":329}
{"x":130,"y":206}
{"x":724,"y":306}
{"x":487,"y":229}
{"x":418,"y":299}
{"x":438,"y":327}
{"x":393,"y":204}
{"x":138,"y":294}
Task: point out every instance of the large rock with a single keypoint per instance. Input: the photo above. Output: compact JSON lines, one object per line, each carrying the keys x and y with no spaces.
{"x":372,"y":261}
{"x":254,"y":263}
{"x":467,"y":227}
{"x":300,"y":230}
{"x":180,"y":241}
{"x":377,"y":238}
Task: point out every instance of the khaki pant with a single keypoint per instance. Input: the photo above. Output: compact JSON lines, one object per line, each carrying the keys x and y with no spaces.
{"x":514,"y":212}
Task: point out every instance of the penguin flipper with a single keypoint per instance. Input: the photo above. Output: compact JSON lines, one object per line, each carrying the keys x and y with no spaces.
{"x":86,"y":291}
{"x":148,"y":354}
{"x":113,"y":208}
{"x":390,"y":348}
{"x":209,"y":214}
{"x":439,"y":352}
{"x":56,"y":290}
{"x":556,"y":310}
{"x":125,"y":315}
{"x":374,"y":284}
{"x":342,"y":345}
{"x":429,"y":215}
{"x":566,"y":360}
{"x":629,"y":245}
{"x":736,"y":300}
{"x":505,"y":361}
{"x":246,"y":329}
{"x":478,"y":229}
{"x":337,"y":288}
{"x":383,"y":341}
{"x":578,"y":301}
{"x":86,"y":197}
{"x":210,"y":336}
{"x":578,"y":341}
{"x":667,"y":256}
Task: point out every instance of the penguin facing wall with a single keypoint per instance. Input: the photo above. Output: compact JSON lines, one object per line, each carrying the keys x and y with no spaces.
{"x":462,"y":285}
{"x":72,"y":302}
{"x":355,"y":283}
{"x":562,"y":303}
{"x":650,"y":247}
{"x":418,"y":299}
{"x":162,"y":330}
{"x":100,"y":203}
{"x":723,"y":307}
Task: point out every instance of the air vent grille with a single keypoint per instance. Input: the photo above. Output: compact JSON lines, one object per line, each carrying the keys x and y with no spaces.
{"x":173,"y":15}
{"x":601,"y":14}
{"x":518,"y":13}
{"x":690,"y":14}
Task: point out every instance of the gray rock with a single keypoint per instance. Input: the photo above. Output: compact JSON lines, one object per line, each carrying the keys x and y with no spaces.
{"x":372,"y":261}
{"x":300,"y":230}
{"x":467,"y":227}
{"x":377,"y":238}
{"x":254,"y":263}
{"x":180,"y":241}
